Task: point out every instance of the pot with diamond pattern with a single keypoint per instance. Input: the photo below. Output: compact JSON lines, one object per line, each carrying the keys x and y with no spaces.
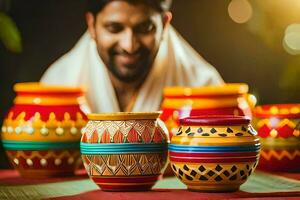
{"x":214,"y":153}
{"x":124,"y":151}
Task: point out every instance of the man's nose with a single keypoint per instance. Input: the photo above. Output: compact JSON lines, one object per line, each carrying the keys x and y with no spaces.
{"x":129,"y":42}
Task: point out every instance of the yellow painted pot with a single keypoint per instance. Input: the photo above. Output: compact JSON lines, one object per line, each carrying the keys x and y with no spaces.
{"x":42,"y":129}
{"x":214,"y":153}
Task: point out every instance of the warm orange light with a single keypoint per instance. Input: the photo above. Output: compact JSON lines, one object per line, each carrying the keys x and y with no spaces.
{"x":240,"y":11}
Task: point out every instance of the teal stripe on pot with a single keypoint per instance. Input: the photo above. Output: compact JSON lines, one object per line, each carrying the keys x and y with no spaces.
{"x":214,"y":149}
{"x":29,"y":145}
{"x":124,"y":148}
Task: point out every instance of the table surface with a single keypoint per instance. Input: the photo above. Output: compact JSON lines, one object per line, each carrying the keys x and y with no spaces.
{"x":261,"y":185}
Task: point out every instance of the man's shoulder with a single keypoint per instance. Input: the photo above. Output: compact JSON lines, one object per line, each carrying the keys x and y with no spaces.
{"x":61,"y":73}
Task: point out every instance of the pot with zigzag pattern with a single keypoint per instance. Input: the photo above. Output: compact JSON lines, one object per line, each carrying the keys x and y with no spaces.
{"x":42,"y":130}
{"x":214,"y":153}
{"x":278,"y":127}
{"x":124,"y":151}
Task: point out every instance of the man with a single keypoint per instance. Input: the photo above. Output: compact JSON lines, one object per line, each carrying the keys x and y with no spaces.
{"x":129,"y":54}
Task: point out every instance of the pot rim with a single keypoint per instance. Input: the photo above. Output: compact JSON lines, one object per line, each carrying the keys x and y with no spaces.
{"x":123,"y":116}
{"x":206,"y":91}
{"x":38,"y":87}
{"x":219,"y":120}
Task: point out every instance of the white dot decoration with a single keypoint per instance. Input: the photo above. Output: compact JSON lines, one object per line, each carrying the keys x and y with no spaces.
{"x":3,"y":129}
{"x":73,"y":130}
{"x":16,"y":161}
{"x":29,"y":130}
{"x":10,"y":129}
{"x":44,"y":131}
{"x":29,"y":162}
{"x":57,"y":161}
{"x":18,"y":130}
{"x":59,"y":131}
{"x":37,"y":100}
{"x":70,"y":160}
{"x":43,"y":162}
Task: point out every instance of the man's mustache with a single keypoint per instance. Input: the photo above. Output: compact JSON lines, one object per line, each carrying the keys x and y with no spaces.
{"x":141,"y":51}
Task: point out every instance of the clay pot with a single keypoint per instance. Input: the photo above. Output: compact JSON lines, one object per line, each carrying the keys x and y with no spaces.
{"x":124,"y":151}
{"x":226,"y":99}
{"x":278,"y":127}
{"x":214,"y":153}
{"x":41,"y":132}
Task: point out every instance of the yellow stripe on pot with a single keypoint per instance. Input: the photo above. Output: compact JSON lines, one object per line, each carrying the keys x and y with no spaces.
{"x":34,"y":100}
{"x":203,"y":103}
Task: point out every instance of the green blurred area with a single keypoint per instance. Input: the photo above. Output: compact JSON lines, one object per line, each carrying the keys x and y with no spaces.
{"x":9,"y":34}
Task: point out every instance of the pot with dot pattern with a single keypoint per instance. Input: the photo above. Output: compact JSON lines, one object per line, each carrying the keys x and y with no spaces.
{"x":214,"y":153}
{"x":42,"y":130}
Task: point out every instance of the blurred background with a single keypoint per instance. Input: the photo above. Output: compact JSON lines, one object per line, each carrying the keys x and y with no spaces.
{"x":251,"y":41}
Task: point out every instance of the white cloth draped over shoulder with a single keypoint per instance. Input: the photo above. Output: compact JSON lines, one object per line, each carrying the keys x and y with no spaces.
{"x":176,"y":64}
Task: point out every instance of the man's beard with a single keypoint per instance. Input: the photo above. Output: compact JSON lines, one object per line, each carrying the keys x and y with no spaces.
{"x":137,"y":72}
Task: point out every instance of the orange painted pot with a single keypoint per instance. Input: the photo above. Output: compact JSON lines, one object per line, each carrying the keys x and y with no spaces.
{"x":278,"y":127}
{"x":42,"y":130}
{"x":124,"y":151}
{"x":227,"y":99}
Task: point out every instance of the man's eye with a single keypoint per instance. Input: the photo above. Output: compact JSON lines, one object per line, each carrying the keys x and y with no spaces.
{"x":145,"y":28}
{"x":114,"y":28}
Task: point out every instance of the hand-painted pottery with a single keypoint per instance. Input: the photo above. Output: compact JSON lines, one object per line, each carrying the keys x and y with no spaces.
{"x":278,"y":128}
{"x":124,"y":151}
{"x":214,"y":153}
{"x":42,"y":130}
{"x":226,"y":99}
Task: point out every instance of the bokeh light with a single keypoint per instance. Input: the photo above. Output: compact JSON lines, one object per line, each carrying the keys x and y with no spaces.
{"x":291,"y":39}
{"x":240,"y":11}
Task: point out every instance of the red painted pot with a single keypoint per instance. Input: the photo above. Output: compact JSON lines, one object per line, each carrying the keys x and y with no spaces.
{"x":278,"y":127}
{"x":42,"y":129}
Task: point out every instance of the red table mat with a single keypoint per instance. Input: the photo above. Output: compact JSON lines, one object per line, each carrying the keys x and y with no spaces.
{"x":160,"y":194}
{"x":11,"y":178}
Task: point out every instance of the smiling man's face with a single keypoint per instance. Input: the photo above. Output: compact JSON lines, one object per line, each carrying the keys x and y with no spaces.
{"x":127,"y":37}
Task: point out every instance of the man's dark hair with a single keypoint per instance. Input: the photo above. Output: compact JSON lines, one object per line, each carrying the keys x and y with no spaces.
{"x":95,"y":6}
